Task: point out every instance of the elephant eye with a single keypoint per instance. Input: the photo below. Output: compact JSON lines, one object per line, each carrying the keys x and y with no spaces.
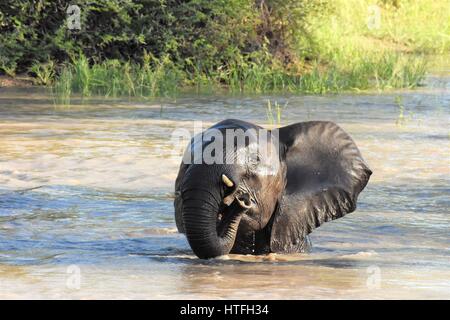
{"x":250,"y":175}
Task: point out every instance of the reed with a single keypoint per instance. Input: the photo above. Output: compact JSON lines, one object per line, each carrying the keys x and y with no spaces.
{"x":274,"y":113}
{"x":62,"y":88}
{"x":44,"y":73}
{"x":346,"y":72}
{"x":113,"y":78}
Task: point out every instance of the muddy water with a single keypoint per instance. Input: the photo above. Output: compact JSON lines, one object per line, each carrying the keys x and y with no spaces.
{"x":86,"y":200}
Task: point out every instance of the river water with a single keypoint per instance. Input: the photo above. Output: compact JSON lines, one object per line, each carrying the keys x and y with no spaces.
{"x":86,"y":196}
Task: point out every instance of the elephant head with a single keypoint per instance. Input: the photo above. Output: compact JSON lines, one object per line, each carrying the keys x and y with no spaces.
{"x":252,"y":198}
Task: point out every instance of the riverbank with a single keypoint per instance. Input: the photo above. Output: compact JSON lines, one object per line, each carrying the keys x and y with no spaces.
{"x":381,"y":70}
{"x":15,"y":82}
{"x":323,"y":47}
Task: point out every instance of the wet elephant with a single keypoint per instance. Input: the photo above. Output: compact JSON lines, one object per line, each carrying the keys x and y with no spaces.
{"x":309,"y":173}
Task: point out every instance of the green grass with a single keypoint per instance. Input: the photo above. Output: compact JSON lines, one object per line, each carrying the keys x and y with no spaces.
{"x":62,"y":88}
{"x":356,"y":71}
{"x":113,"y":78}
{"x":419,"y":26}
{"x":274,"y":113}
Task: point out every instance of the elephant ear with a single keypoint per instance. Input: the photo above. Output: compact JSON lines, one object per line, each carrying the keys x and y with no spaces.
{"x":325,"y":174}
{"x":178,"y":201}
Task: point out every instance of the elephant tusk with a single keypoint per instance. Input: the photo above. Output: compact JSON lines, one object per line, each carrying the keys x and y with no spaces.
{"x":227,"y":181}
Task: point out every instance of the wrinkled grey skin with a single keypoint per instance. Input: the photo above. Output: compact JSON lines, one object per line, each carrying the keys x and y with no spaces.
{"x":314,"y":176}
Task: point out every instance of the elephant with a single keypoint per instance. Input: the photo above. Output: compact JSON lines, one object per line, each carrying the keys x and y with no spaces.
{"x":267,"y":203}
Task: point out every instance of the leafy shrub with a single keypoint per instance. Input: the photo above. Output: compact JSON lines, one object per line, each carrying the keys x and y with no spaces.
{"x":200,"y":36}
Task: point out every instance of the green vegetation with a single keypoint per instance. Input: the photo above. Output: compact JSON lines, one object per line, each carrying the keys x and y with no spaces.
{"x":414,"y":26}
{"x":277,"y":109}
{"x":114,"y":78}
{"x":44,"y":72}
{"x":161,"y":47}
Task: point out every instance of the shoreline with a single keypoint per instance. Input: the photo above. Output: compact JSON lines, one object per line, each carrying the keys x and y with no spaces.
{"x":16,"y":82}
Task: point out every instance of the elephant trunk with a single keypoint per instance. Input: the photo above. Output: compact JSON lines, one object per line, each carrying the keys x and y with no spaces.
{"x":200,"y":218}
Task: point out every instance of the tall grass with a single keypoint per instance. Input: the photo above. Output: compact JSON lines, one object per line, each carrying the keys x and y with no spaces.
{"x":62,"y":88}
{"x":352,"y":71}
{"x":113,"y":78}
{"x":358,"y":71}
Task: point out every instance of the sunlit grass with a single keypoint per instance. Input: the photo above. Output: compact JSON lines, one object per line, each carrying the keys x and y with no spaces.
{"x":419,"y":26}
{"x":113,"y":78}
{"x":277,"y":109}
{"x":360,"y":71}
{"x":44,"y":73}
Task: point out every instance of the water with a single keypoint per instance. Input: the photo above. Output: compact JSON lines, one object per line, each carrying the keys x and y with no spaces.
{"x":87,"y":190}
